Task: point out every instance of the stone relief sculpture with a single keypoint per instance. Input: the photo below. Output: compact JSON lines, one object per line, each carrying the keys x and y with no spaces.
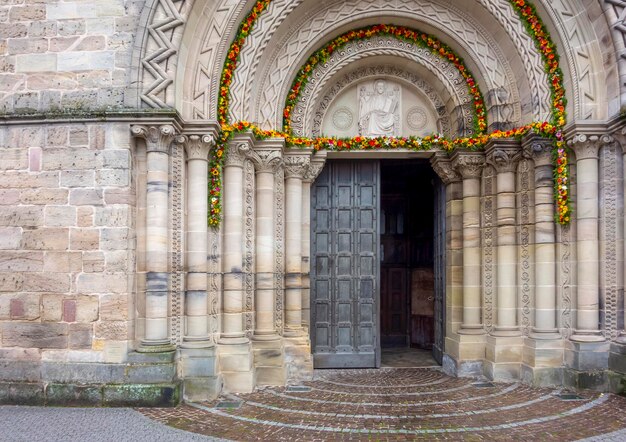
{"x":379,"y":110}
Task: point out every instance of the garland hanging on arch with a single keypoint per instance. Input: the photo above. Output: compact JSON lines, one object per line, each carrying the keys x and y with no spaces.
{"x":552,"y":129}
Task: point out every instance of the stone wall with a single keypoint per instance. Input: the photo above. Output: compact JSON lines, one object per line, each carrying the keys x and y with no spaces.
{"x":65,"y":56}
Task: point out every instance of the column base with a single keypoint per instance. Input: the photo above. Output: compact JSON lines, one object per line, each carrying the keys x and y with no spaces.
{"x":464,"y":355}
{"x":269,"y":362}
{"x":298,"y":359}
{"x":617,"y":357}
{"x":542,"y":361}
{"x":236,"y":362}
{"x":587,"y":336}
{"x":294,"y":333}
{"x":468,"y":329}
{"x":587,"y":356}
{"x":233,"y":340}
{"x":462,"y":369}
{"x":199,"y":370}
{"x":160,"y":346}
{"x":503,"y":357}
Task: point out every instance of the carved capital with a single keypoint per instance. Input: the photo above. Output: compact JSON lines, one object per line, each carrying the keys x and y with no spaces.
{"x":469,"y":164}
{"x":620,"y":138}
{"x":588,"y":146}
{"x":442,"y":165}
{"x":267,"y":160}
{"x":317,"y":164}
{"x":297,"y":164}
{"x":197,"y":146}
{"x":539,"y":150}
{"x":504,"y":159}
{"x":158,"y":138}
{"x":237,"y":154}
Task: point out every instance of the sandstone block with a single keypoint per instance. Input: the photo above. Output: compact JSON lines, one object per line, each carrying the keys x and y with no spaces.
{"x":44,"y":196}
{"x":21,"y":216}
{"x":93,"y":262}
{"x":86,"y":197}
{"x":71,"y":27}
{"x":10,"y":282}
{"x":27,"y":136}
{"x":9,"y":197}
{"x":26,"y":101}
{"x":27,"y":45}
{"x":77,"y":178}
{"x":36,"y":62}
{"x":114,"y":307}
{"x":80,"y":336}
{"x":26,"y":306}
{"x":21,"y":261}
{"x":60,"y":216}
{"x":42,"y":29}
{"x":47,"y":335}
{"x":101,"y":26}
{"x":101,"y":283}
{"x":87,"y":308}
{"x":13,"y":30}
{"x":85,"y":60}
{"x":34,"y":159}
{"x":52,"y":80}
{"x":28,"y":13}
{"x":46,"y":282}
{"x":57,"y":135}
{"x":119,"y":196}
{"x":84,"y":239}
{"x":23,"y":179}
{"x":113,"y":330}
{"x":115,"y":238}
{"x":62,"y":262}
{"x":92,"y":79}
{"x":79,"y":136}
{"x":85,"y":216}
{"x":13,"y":159}
{"x":51,"y":308}
{"x":10,"y":238}
{"x":112,"y":216}
{"x":46,"y":238}
{"x":117,"y":261}
{"x":71,"y":159}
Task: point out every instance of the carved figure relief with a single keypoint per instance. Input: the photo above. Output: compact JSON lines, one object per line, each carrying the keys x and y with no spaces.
{"x":379,"y":114}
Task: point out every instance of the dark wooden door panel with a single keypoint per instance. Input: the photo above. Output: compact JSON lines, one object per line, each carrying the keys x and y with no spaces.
{"x":344,"y":249}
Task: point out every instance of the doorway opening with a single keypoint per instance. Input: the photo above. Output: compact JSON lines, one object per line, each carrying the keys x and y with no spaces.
{"x":407,"y":257}
{"x":377,"y":264}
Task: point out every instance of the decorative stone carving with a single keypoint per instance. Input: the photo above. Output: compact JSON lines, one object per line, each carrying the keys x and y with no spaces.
{"x":539,"y":150}
{"x":267,"y":160}
{"x":317,"y":164}
{"x":524,"y":173}
{"x":379,"y":110}
{"x":279,"y":243}
{"x":442,"y":165}
{"x":177,"y":273}
{"x":158,"y":138}
{"x":416,"y":118}
{"x":469,"y":164}
{"x":297,"y":164}
{"x":475,"y":39}
{"x":237,"y":154}
{"x":198,"y":146}
{"x":504,"y":159}
{"x":249,"y":250}
{"x":587,"y":146}
{"x":376,"y":71}
{"x":489,"y":236}
{"x":343,"y":118}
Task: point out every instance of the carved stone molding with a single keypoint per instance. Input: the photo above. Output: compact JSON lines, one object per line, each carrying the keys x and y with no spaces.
{"x":469,"y":164}
{"x":158,"y":138}
{"x":267,"y":160}
{"x":237,"y":153}
{"x":317,"y":164}
{"x":197,"y":146}
{"x":588,"y":146}
{"x":488,"y":213}
{"x":620,"y":138}
{"x":442,"y":165}
{"x":538,"y":149}
{"x":297,"y":164}
{"x":504,"y":159}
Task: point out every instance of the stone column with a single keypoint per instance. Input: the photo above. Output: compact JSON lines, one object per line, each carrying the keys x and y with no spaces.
{"x":620,"y":136}
{"x":236,"y":358}
{"x":545,"y":326}
{"x":196,"y":299}
{"x":158,"y":141}
{"x":296,"y":166}
{"x":503,"y":155}
{"x":588,"y":297}
{"x":317,"y":164}
{"x":232,"y":255}
{"x":469,"y":165}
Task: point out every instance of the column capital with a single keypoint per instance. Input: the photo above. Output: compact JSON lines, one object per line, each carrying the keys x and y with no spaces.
{"x":588,"y":146}
{"x":237,"y":153}
{"x":297,"y":162}
{"x":317,"y":164}
{"x":158,"y":138}
{"x":538,"y":149}
{"x":197,"y":146}
{"x":442,"y":165}
{"x":266,"y":160}
{"x":468,"y":164}
{"x":503,"y":154}
{"x":620,"y":138}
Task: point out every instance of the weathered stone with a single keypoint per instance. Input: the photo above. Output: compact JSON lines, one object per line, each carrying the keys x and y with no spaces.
{"x":51,"y":308}
{"x":21,"y":261}
{"x":10,"y":238}
{"x":20,"y":334}
{"x":142,"y":395}
{"x":21,"y":216}
{"x":112,"y":216}
{"x":62,"y":262}
{"x":112,"y":238}
{"x":86,"y":197}
{"x":77,"y":178}
{"x":84,"y":239}
{"x":72,"y":395}
{"x":47,"y":238}
{"x":101,"y":283}
{"x":47,"y":282}
{"x":60,"y":216}
{"x":113,"y":330}
{"x":114,"y":307}
{"x":87,"y":308}
{"x":21,"y":393}
{"x":24,"y":371}
{"x":80,"y":336}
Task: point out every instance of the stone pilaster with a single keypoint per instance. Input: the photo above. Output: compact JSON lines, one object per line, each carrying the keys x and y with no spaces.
{"x":505,"y":344}
{"x":543,"y":352}
{"x":465,"y":348}
{"x":236,"y":361}
{"x":158,"y":140}
{"x":269,"y":356}
{"x":297,"y":344}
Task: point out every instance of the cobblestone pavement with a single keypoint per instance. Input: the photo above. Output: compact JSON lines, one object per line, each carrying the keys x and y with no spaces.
{"x":403,"y":404}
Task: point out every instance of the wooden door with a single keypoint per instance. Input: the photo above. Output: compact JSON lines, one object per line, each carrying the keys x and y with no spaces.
{"x":345,"y":269}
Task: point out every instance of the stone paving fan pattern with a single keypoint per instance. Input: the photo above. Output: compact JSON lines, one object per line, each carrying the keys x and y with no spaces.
{"x":401,"y":404}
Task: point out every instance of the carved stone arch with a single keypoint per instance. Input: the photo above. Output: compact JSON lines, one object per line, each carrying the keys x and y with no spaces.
{"x":273,"y":78}
{"x":446,"y":73}
{"x":584,"y":42}
{"x":313,"y":121}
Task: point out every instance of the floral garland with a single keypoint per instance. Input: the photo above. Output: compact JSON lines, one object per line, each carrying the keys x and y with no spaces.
{"x":430,"y":42}
{"x":552,"y":129}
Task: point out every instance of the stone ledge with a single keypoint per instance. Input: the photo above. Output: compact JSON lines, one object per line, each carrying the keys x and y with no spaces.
{"x":74,"y":395}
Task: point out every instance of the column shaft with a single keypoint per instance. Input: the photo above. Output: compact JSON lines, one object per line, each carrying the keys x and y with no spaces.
{"x":306,"y":252}
{"x":293,"y":248}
